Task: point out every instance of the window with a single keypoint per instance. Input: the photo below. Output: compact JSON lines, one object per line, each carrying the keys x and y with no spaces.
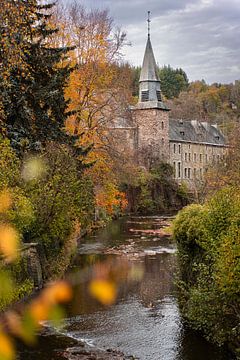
{"x":200,"y":171}
{"x":159,"y":95}
{"x":179,"y":169}
{"x":162,"y":125}
{"x":200,"y":157}
{"x":174,"y":169}
{"x":145,"y":95}
{"x":185,"y":173}
{"x":174,"y":148}
{"x":185,"y":156}
{"x":179,"y":149}
{"x":206,"y":158}
{"x":194,"y":173}
{"x":195,"y":157}
{"x":189,"y":173}
{"x":189,"y":156}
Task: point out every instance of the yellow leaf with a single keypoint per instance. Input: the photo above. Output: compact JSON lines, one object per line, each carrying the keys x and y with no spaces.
{"x":39,"y":310}
{"x":9,"y":242}
{"x":104,"y":291}
{"x":59,"y":292}
{"x":6,"y":348}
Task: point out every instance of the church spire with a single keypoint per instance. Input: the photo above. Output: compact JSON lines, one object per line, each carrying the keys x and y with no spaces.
{"x":149,"y":83}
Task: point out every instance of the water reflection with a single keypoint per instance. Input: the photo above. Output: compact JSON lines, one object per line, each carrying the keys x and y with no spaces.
{"x":145,"y":320}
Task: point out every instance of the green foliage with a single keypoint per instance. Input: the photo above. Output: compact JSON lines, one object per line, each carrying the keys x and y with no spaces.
{"x":32,"y":96}
{"x":15,"y":282}
{"x":60,"y":197}
{"x":173,"y":81}
{"x":9,"y":165}
{"x":20,"y":212}
{"x":208,"y":241}
{"x":155,"y":191}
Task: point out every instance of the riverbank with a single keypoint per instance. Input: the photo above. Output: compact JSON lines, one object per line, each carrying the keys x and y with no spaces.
{"x":207,"y":237}
{"x":144,"y":323}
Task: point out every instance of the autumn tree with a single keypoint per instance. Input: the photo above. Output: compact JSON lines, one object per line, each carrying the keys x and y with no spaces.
{"x":216,"y":103}
{"x":98,"y":91}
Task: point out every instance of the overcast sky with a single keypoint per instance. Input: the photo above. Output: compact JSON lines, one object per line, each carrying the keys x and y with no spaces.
{"x":200,"y":36}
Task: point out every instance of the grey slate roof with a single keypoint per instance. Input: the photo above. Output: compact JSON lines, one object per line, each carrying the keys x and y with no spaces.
{"x":195,"y":131}
{"x":149,"y":67}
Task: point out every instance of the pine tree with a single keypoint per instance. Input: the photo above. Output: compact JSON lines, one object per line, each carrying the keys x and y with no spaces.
{"x":32,"y":91}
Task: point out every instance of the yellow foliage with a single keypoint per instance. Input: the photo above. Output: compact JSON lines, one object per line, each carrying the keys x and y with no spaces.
{"x":9,"y":242}
{"x":6,"y":347}
{"x":104,"y":291}
{"x":5,"y":201}
{"x":57,"y":293}
{"x":39,"y":310}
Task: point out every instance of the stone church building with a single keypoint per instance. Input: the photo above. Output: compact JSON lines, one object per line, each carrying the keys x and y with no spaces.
{"x":189,"y":146}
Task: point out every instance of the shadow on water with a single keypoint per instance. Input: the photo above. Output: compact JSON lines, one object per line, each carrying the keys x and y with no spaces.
{"x":145,"y":320}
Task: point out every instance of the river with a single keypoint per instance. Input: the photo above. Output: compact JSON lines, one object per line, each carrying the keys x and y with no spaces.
{"x":145,"y":321}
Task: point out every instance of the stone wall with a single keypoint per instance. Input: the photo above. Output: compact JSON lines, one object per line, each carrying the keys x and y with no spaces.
{"x":36,"y":265}
{"x":191,"y":160}
{"x":153,"y":134}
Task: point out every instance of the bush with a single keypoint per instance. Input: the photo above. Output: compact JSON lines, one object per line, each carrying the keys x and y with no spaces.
{"x":208,"y":240}
{"x":60,"y":197}
{"x":155,"y":191}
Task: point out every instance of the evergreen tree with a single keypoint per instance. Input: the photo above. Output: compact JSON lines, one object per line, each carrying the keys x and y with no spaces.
{"x":173,"y":81}
{"x":32,"y":93}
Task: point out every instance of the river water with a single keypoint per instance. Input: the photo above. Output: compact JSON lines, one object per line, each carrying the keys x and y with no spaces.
{"x":145,"y":320}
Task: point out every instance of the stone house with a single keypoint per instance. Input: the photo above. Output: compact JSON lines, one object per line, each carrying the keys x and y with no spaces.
{"x":189,"y":146}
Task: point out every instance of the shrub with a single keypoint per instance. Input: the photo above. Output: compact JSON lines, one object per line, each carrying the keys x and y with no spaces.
{"x":61,"y":196}
{"x":208,"y":240}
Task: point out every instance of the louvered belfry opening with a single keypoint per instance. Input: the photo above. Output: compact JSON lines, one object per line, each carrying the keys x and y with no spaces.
{"x":144,"y":95}
{"x":159,"y":97}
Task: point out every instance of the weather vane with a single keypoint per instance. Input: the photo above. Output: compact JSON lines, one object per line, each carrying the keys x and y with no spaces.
{"x":148,"y":20}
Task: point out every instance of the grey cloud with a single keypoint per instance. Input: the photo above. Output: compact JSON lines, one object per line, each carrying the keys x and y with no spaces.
{"x":201,"y":36}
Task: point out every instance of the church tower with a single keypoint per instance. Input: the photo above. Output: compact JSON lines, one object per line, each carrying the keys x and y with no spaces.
{"x":151,"y":115}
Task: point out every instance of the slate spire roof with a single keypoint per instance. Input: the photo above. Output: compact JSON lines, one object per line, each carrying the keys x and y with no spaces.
{"x":149,"y":67}
{"x":150,"y":96}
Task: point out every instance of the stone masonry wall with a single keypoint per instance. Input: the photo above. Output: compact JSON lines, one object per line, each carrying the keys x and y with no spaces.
{"x":153,"y":135}
{"x":191,"y":160}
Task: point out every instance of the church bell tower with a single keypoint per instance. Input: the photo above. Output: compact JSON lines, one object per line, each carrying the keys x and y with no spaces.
{"x":151,"y":115}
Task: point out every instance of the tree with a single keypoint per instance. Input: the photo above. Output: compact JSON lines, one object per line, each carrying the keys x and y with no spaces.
{"x":173,"y":81}
{"x":32,"y":85}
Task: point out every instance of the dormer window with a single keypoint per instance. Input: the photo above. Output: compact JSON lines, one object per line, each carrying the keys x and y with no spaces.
{"x":217,"y":137}
{"x":145,"y":95}
{"x":182,"y":133}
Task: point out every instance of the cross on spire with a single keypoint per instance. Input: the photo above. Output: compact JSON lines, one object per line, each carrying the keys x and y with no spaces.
{"x":148,"y":20}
